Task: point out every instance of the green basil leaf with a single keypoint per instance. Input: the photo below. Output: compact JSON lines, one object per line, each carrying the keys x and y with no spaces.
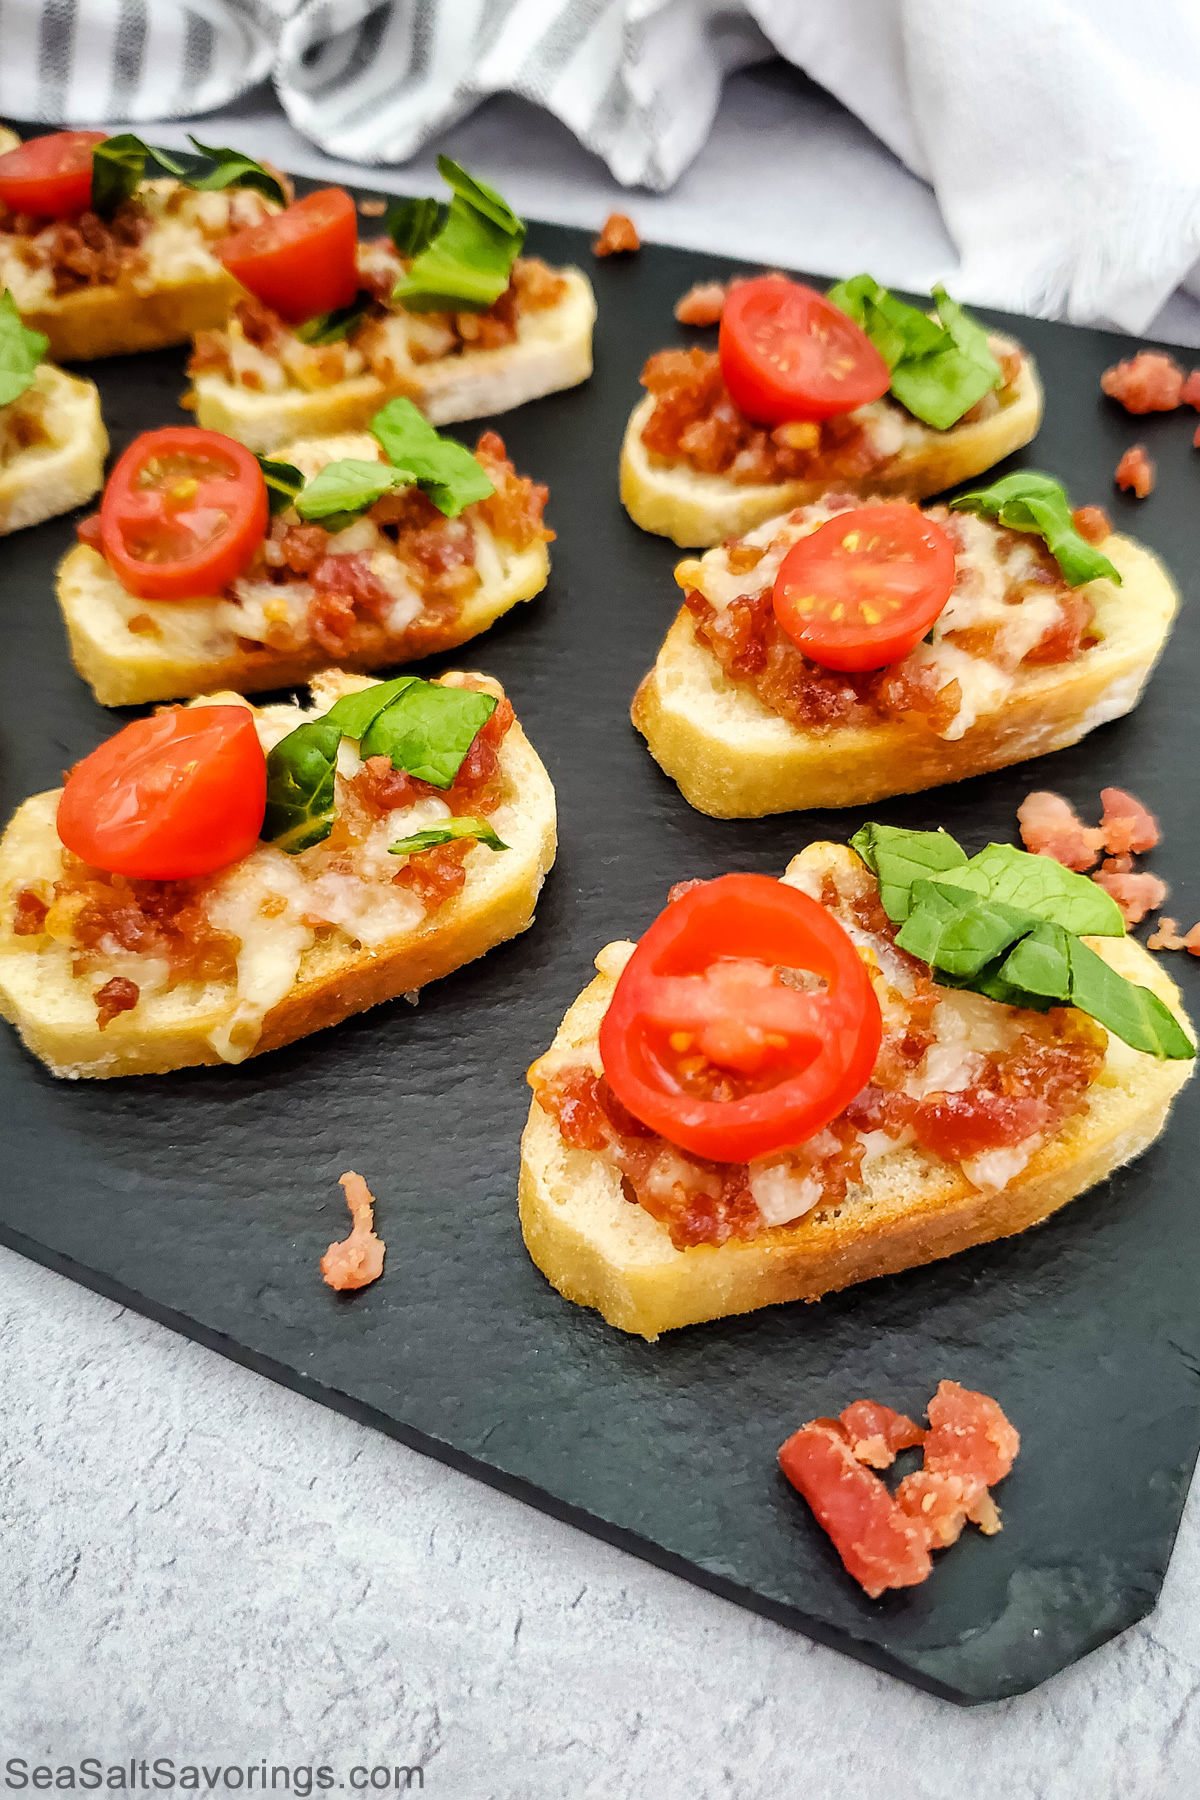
{"x":446,"y":470}
{"x":1029,"y":501}
{"x":1039,"y":967}
{"x":300,"y":791}
{"x":332,"y":327}
{"x":467,"y":265}
{"x":1136,"y":1015}
{"x":428,"y":730}
{"x":233,"y":169}
{"x":966,"y":941}
{"x":413,"y":224}
{"x":354,"y":714}
{"x":284,"y":482}
{"x":940,"y":367}
{"x":898,"y":858}
{"x":435,"y":835}
{"x":118,"y":166}
{"x":347,"y":487}
{"x":1041,"y":886}
{"x":21,"y":350}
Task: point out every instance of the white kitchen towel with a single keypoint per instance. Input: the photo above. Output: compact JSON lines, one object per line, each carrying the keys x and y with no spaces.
{"x":1058,"y":135}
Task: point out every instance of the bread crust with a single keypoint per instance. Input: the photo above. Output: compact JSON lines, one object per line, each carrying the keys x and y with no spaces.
{"x":598,"y":1250}
{"x":735,"y":759}
{"x":49,"y":479}
{"x":696,"y":511}
{"x":57,"y":1019}
{"x":122,"y":319}
{"x":553,"y":352}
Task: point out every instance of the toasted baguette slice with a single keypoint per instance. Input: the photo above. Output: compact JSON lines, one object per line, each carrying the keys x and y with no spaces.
{"x":695,"y":510}
{"x":64,"y":468}
{"x":734,"y":758}
{"x":599,"y":1250}
{"x":184,"y":647}
{"x":123,"y":320}
{"x":337,"y":974}
{"x":553,"y":351}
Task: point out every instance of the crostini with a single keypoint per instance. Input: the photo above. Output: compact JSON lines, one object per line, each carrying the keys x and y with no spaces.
{"x":52,"y":437}
{"x":383,"y":547}
{"x":443,"y":310}
{"x":218,"y":880}
{"x":846,"y":652}
{"x":104,"y":259}
{"x":854,"y":391}
{"x":786,"y":1087}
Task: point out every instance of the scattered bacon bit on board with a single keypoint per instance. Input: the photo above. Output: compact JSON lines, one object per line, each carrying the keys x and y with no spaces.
{"x":1196,"y":438}
{"x":358,"y":1259}
{"x":1092,"y":523}
{"x":1050,"y":826}
{"x":1165,"y":936}
{"x":1126,"y":824}
{"x":884,"y":1539}
{"x":618,"y":236}
{"x":1135,"y":471}
{"x":703,"y":304}
{"x":1136,"y":894}
{"x":1189,"y":394}
{"x":372,"y":209}
{"x":681,"y":888}
{"x":1148,"y":382}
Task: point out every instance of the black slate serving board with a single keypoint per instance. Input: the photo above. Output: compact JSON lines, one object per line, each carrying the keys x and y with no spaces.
{"x":206,"y":1198}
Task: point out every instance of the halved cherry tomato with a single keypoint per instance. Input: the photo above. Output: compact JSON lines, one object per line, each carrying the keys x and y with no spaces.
{"x":178,"y":794}
{"x":300,"y":262}
{"x":789,"y":353}
{"x":706,"y":1040}
{"x":865,"y":587}
{"x":50,"y":176}
{"x":183,"y":513}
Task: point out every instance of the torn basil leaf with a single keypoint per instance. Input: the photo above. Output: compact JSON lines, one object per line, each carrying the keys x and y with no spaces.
{"x":300,"y":772}
{"x":332,"y":327}
{"x":433,"y":836}
{"x":232,"y":168}
{"x":413,"y":224}
{"x":1006,"y":924}
{"x":119,"y":166}
{"x":467,"y":265}
{"x":339,"y":492}
{"x":1029,"y":501}
{"x":21,"y":350}
{"x":445,"y":469}
{"x":898,"y":858}
{"x":284,"y":482}
{"x":354,"y":714}
{"x":428,"y":730}
{"x":941,"y":367}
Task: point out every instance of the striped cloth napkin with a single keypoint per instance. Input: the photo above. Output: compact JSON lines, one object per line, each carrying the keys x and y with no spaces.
{"x":1058,"y":135}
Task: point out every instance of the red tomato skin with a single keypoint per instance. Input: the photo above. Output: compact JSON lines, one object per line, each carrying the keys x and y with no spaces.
{"x":179,"y":794}
{"x":51,"y":176}
{"x":300,"y":262}
{"x":215,"y":565}
{"x":833,"y":367}
{"x":928,"y":572}
{"x":761,"y":919}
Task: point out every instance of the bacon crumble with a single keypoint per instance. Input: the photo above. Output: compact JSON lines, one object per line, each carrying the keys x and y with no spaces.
{"x":1147,"y":382}
{"x":618,"y":236}
{"x":1050,"y":826}
{"x":1136,"y":472}
{"x":358,"y":1259}
{"x":703,"y":304}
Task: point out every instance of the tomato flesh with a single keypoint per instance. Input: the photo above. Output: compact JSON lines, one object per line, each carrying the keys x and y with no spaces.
{"x":300,"y":262}
{"x":51,"y":176}
{"x":175,"y":795}
{"x":788,"y":353}
{"x":862,"y":590}
{"x":716,"y":1036}
{"x":183,"y":513}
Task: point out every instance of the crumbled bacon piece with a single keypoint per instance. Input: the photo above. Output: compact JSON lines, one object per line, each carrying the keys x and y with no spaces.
{"x":1136,"y":894}
{"x":115,"y":997}
{"x":29,"y":914}
{"x":1126,"y":824}
{"x":884,"y":1540}
{"x":877,"y":1433}
{"x":960,"y":1125}
{"x":1050,"y":826}
{"x":96,"y":911}
{"x":618,"y":236}
{"x":357,"y":1260}
{"x":436,"y":875}
{"x":1147,"y":382}
{"x":680,"y":888}
{"x":345,"y":589}
{"x":1189,"y":393}
{"x":514,"y":512}
{"x":1135,"y":471}
{"x":1166,"y":937}
{"x":1196,"y":438}
{"x":703,"y":304}
{"x":1092,"y":523}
